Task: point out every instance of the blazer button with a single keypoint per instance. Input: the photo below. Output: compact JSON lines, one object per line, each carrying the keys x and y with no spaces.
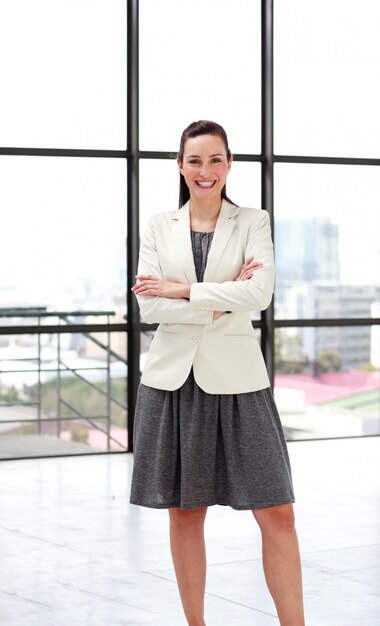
{"x":195,"y":338}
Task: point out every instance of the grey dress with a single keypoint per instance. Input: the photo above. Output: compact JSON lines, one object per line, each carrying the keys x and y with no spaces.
{"x":194,"y":449}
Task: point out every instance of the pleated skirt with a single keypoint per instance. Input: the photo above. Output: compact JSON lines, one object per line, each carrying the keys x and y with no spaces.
{"x":194,"y":449}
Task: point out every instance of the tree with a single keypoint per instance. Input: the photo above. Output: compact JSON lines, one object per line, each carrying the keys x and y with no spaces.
{"x":329,"y":361}
{"x":288,"y":354}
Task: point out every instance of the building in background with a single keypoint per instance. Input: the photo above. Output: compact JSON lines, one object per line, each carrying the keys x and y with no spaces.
{"x":353,"y":345}
{"x":308,"y":286}
{"x":306,"y":251}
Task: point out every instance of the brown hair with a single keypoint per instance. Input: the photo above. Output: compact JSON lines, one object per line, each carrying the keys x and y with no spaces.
{"x":202,"y":127}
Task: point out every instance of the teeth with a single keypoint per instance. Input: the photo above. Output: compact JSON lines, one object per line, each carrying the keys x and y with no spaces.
{"x":205,"y":184}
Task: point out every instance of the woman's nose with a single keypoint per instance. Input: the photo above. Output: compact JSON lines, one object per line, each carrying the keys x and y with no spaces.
{"x":204,"y":171}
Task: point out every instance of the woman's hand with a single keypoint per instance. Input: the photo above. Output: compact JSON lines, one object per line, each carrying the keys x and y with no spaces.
{"x":149,"y":285}
{"x":245,"y":273}
{"x":153,"y":286}
{"x":248,"y":268}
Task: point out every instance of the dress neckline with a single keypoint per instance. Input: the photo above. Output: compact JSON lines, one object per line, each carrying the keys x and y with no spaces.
{"x":201,"y":232}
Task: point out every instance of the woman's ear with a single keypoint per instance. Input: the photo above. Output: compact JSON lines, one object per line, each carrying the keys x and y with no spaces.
{"x":230,"y":163}
{"x":180,"y":166}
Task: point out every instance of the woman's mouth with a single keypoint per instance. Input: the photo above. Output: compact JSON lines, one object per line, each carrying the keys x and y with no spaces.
{"x":205,"y":184}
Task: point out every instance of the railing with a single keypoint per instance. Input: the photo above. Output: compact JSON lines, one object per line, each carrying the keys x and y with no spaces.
{"x":65,"y":318}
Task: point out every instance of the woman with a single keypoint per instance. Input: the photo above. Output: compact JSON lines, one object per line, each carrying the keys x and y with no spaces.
{"x":207,"y":430}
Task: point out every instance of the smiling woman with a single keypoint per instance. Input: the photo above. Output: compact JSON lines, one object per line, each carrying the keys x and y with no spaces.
{"x":207,"y":430}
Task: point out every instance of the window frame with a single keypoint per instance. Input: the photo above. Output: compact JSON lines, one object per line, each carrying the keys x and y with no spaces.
{"x":132,"y":155}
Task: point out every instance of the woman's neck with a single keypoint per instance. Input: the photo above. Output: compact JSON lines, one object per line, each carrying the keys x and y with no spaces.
{"x":204,"y":215}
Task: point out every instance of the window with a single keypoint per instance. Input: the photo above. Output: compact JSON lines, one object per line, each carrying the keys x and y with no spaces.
{"x":326,"y":58}
{"x":70,"y":222}
{"x":327,"y":381}
{"x":327,"y":255}
{"x":202,"y":62}
{"x":64,"y":81}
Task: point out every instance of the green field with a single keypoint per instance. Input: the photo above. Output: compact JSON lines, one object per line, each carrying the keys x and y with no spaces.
{"x":368,"y":401}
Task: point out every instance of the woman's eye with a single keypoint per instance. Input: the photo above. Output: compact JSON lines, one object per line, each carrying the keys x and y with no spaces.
{"x":193,"y":162}
{"x":216,"y":160}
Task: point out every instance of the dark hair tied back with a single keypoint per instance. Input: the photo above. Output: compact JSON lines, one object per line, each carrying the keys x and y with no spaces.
{"x":202,"y":127}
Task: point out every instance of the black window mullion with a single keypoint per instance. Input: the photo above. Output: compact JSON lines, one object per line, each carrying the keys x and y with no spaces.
{"x":267,"y":316}
{"x":133,"y":335}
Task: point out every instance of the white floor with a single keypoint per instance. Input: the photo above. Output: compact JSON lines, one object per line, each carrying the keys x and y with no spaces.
{"x":74,"y":552}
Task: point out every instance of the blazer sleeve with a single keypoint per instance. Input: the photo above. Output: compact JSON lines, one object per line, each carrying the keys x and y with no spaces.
{"x":158,"y":309}
{"x":255,"y":293}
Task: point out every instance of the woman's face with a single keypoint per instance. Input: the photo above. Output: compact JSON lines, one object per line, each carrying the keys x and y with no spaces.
{"x":205,"y":166}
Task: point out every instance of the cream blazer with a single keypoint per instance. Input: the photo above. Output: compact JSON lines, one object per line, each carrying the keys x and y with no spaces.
{"x":225,"y":354}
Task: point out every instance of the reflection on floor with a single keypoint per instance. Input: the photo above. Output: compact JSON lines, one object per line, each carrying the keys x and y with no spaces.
{"x":76,"y":553}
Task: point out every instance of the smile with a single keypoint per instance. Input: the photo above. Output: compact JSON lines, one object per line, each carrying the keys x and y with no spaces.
{"x":205,"y":184}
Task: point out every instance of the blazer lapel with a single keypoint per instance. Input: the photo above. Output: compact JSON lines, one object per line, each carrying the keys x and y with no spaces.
{"x":182,"y":239}
{"x":222,"y":233}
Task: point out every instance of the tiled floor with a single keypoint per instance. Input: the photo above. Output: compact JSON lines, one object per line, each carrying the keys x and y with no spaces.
{"x":74,"y":552}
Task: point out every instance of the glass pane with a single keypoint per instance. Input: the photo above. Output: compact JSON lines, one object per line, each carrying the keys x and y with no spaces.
{"x":326,"y":87}
{"x":203,"y":62}
{"x":64,"y":79}
{"x":326,"y":240}
{"x":63,"y":233}
{"x":146,"y":339}
{"x":244,"y":184}
{"x":62,"y":394}
{"x":327,"y":381}
{"x":159,"y":186}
